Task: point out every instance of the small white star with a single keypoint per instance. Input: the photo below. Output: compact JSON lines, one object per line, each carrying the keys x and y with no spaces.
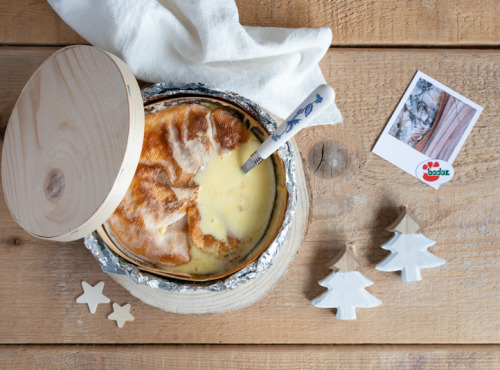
{"x":92,"y":295}
{"x":121,"y":314}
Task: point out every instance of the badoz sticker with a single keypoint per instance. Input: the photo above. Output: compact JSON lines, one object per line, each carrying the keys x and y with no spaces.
{"x":435,"y":171}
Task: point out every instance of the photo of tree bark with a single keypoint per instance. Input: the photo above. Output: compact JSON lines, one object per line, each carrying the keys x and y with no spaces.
{"x":432,"y":121}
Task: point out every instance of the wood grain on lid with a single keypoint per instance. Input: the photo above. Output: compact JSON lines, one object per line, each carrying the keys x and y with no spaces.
{"x":72,"y":143}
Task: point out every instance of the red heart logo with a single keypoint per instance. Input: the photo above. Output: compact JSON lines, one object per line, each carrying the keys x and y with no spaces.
{"x":426,"y":176}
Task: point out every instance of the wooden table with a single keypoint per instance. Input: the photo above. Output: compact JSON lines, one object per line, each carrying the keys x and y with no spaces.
{"x":450,"y":319}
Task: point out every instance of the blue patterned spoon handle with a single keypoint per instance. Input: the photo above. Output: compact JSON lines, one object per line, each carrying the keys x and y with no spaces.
{"x":301,"y":117}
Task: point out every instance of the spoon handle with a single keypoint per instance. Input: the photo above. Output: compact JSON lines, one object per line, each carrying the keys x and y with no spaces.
{"x":301,"y":117}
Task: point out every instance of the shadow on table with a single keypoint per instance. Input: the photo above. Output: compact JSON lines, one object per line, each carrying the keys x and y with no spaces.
{"x":370,"y":253}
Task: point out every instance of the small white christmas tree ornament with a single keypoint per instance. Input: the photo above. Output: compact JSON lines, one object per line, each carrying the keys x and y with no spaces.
{"x":408,"y":248}
{"x":346,"y":287}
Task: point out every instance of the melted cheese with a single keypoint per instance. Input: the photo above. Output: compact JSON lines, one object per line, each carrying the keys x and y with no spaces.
{"x":232,"y":203}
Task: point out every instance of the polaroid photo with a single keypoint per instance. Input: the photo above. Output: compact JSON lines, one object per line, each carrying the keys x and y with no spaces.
{"x":431,"y":122}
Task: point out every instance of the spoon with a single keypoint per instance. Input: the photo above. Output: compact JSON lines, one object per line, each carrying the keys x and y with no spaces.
{"x":301,"y":117}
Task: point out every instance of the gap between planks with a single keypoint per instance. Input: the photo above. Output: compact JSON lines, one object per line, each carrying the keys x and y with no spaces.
{"x":252,"y":357}
{"x":333,"y":46}
{"x":340,"y":346}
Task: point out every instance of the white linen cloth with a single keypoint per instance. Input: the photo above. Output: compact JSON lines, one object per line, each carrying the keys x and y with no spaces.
{"x":203,"y":41}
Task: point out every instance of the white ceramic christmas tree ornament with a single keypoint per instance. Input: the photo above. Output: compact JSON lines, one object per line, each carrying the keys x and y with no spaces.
{"x":408,"y":248}
{"x":346,"y":287}
{"x":92,"y":295}
{"x":121,"y":314}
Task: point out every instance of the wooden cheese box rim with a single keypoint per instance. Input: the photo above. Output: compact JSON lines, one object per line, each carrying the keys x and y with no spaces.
{"x":72,"y":144}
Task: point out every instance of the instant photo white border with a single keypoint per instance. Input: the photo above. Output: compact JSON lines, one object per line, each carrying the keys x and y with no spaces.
{"x":403,"y":155}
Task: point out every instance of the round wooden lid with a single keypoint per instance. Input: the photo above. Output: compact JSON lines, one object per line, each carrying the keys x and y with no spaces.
{"x":72,"y":144}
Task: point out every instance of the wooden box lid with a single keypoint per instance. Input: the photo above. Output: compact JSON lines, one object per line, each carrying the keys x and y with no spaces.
{"x":72,"y":143}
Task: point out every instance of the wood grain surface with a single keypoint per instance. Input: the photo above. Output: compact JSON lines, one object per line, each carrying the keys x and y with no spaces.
{"x":354,"y":197}
{"x":371,"y":22}
{"x":207,"y":357}
{"x":406,"y":222}
{"x":61,"y":182}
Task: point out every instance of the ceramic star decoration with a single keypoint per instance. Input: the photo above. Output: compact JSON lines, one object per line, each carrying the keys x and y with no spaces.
{"x":92,"y":295}
{"x":121,"y":314}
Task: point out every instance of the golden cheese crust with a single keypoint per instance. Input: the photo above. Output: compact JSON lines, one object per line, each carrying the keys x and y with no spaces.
{"x":158,"y":217}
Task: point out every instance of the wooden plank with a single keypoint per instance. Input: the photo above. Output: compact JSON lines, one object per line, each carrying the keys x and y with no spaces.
{"x":33,"y":22}
{"x":372,"y":22}
{"x":354,"y":198}
{"x":251,"y":357}
{"x":17,"y":64}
